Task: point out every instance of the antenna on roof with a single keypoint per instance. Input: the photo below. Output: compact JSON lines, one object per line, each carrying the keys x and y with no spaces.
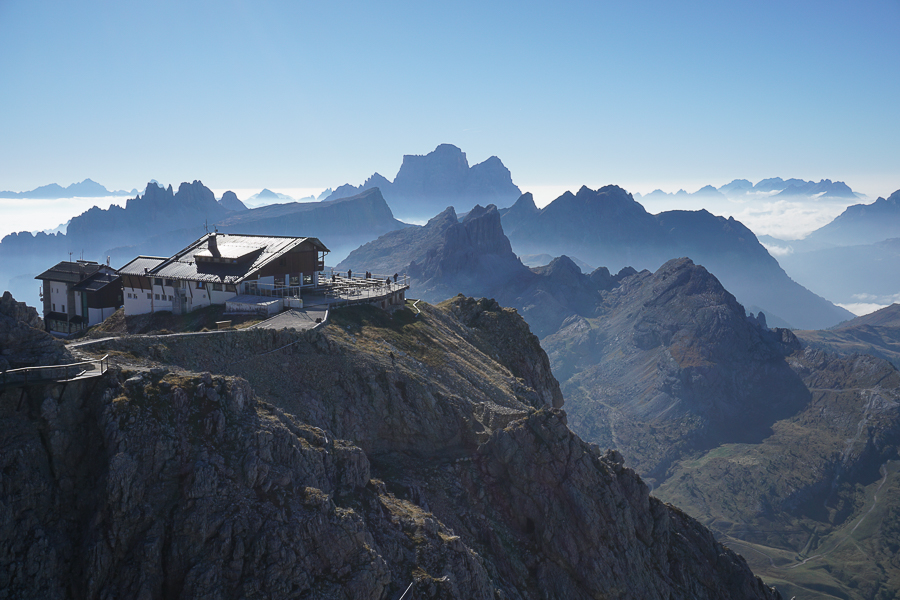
{"x":70,"y":256}
{"x":206,"y":225}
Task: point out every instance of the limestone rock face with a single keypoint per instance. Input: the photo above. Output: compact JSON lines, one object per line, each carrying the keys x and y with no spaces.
{"x":23,"y":341}
{"x":447,"y":256}
{"x":567,"y":504}
{"x":389,"y":451}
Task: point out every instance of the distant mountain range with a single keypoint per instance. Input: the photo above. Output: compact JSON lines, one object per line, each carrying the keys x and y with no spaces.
{"x":851,"y":260}
{"x":162,"y":221}
{"x":608,"y":227}
{"x":53,"y":191}
{"x":775,"y":187}
{"x":426,"y":185}
{"x":477,"y":256}
{"x":472,"y":256}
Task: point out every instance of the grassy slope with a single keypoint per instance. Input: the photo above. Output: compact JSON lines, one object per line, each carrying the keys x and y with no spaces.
{"x":765,"y":500}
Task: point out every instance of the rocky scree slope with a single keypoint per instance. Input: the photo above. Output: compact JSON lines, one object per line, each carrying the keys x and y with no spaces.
{"x":160,"y":483}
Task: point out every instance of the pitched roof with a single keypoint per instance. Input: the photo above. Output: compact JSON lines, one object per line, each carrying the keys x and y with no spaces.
{"x":225,"y":257}
{"x":142,"y":265}
{"x":70,"y":272}
{"x":96,"y":282}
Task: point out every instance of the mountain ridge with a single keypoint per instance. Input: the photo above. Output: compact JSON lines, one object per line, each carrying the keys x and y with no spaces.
{"x":608,"y":227}
{"x":53,"y":191}
{"x":426,"y":184}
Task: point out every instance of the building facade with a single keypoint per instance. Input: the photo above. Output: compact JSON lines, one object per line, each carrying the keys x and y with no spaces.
{"x":77,"y":295}
{"x":220,"y":266}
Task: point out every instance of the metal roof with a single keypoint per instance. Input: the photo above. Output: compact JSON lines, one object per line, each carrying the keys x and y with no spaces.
{"x":142,"y":265}
{"x":255,"y":250}
{"x":96,"y":282}
{"x":70,"y":272}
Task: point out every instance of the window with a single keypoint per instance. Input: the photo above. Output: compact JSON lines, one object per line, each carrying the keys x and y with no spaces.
{"x":217,"y":287}
{"x":170,"y":283}
{"x":149,"y":296}
{"x":295,"y":280}
{"x":170,"y":298}
{"x":199,"y":285}
{"x":157,"y":296}
{"x":230,"y":288}
{"x":54,"y":308}
{"x":157,"y":281}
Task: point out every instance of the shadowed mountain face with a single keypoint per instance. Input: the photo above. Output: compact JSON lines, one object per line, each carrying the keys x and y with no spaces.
{"x":473,"y":256}
{"x":427,"y":184}
{"x":783,"y":450}
{"x":231,"y":202}
{"x":607,"y":227}
{"x":670,"y":365}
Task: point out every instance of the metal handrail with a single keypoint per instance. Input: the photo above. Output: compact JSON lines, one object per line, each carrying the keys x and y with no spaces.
{"x":404,"y":596}
{"x":50,"y":372}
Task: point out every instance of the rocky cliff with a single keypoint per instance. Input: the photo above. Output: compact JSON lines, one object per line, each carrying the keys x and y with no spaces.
{"x":378,"y":452}
{"x":425,"y":185}
{"x":473,"y":256}
{"x":23,"y":341}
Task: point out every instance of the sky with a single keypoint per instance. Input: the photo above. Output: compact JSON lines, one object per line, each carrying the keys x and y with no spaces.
{"x":308,"y":95}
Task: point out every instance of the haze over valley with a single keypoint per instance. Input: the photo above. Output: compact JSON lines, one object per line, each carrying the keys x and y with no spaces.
{"x":460,"y":301}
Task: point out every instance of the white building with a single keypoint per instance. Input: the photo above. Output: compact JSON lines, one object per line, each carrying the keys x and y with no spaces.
{"x":220,"y":266}
{"x":78,"y":294}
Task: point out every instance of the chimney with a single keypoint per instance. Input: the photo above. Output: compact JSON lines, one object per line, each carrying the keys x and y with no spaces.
{"x":212,"y":245}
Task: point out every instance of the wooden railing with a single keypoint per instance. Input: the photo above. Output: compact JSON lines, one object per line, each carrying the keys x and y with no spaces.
{"x":33,"y":375}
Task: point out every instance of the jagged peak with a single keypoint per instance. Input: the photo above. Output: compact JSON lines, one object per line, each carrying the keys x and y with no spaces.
{"x":448,"y":215}
{"x":479,"y":211}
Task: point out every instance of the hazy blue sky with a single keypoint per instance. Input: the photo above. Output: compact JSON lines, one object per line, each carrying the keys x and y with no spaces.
{"x":314,"y":94}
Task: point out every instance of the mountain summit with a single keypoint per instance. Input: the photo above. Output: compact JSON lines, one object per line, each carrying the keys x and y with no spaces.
{"x":425,"y":185}
{"x":608,"y":227}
